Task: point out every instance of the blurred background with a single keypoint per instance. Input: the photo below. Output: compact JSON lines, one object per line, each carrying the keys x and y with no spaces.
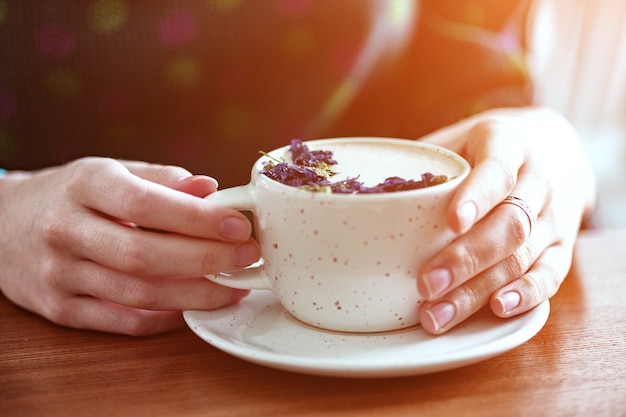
{"x":579,"y":60}
{"x":131,"y":79}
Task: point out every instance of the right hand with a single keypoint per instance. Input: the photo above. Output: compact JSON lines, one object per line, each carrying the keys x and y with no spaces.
{"x":81,"y":244}
{"x":507,"y":257}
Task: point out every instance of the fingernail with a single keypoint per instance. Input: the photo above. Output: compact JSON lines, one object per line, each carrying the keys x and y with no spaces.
{"x":235,"y":228}
{"x":437,"y":281}
{"x":214,"y":181}
{"x":441,"y":314}
{"x":509,"y":301}
{"x":467,"y":215}
{"x":247,"y":253}
{"x":194,"y":178}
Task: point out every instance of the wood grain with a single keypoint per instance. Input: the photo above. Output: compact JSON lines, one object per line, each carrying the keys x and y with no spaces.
{"x":575,"y":366}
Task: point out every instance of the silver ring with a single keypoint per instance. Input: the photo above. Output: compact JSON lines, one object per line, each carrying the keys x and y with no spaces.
{"x":516,"y":201}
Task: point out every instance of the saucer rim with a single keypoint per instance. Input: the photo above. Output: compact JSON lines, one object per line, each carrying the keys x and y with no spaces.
{"x":523,"y":328}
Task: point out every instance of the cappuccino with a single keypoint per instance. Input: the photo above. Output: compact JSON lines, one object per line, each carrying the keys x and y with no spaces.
{"x":373,"y":161}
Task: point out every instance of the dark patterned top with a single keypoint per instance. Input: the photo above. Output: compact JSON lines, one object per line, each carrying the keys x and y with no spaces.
{"x":206,"y":84}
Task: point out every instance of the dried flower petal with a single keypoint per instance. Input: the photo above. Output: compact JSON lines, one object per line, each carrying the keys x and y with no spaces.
{"x":311,"y":170}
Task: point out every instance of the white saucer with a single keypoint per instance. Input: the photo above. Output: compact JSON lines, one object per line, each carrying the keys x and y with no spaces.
{"x":259,"y":330}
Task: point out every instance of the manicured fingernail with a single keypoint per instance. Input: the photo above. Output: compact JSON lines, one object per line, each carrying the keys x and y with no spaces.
{"x":509,"y":301}
{"x":436,"y":282}
{"x":235,"y":228}
{"x":441,"y":314}
{"x":467,"y":215}
{"x":247,"y":253}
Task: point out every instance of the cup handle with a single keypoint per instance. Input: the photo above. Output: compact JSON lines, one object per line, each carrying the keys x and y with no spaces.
{"x":238,"y":198}
{"x":252,"y":277}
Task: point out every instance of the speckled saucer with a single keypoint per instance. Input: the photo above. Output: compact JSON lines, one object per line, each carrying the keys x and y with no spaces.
{"x":260,"y":331}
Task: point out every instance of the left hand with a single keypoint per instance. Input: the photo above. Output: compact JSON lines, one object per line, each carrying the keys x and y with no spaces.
{"x":502,"y":257}
{"x":80,"y":244}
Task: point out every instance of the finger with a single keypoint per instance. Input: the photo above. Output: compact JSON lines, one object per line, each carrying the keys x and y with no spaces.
{"x":450,"y":137}
{"x":108,"y":187}
{"x":149,"y":293}
{"x":492,"y":239}
{"x":196,"y":185}
{"x":173,"y":177}
{"x":468,"y":255}
{"x":526,"y":201}
{"x":540,"y":283}
{"x":146,"y":253}
{"x":155,"y":172}
{"x":440,"y":315}
{"x":496,"y":156}
{"x":84,"y":312}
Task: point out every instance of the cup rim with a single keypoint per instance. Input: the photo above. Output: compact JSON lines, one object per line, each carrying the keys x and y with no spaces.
{"x":435,"y":189}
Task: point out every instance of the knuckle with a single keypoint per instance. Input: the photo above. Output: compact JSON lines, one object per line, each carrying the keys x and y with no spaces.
{"x":141,"y":296}
{"x":91,"y":172}
{"x":486,"y":129}
{"x":551,"y":279}
{"x":517,"y":223}
{"x":494,"y":124}
{"x":58,"y":311}
{"x":135,"y":324}
{"x":135,"y":201}
{"x":473,"y":295}
{"x":519,"y":262}
{"x":541,"y":286}
{"x":218,"y":298}
{"x":212,"y":261}
{"x":469,"y":263}
{"x":84,"y":170}
{"x":533,"y":288}
{"x":193,"y":217}
{"x":507,"y":176}
{"x":51,"y":274}
{"x":54,"y":232}
{"x":133,"y":256}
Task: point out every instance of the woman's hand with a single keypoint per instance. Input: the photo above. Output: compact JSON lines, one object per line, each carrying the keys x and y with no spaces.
{"x":504,"y":256}
{"x":117,"y":246}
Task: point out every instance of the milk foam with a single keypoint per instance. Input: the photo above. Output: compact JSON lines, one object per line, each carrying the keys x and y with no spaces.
{"x":372,"y":162}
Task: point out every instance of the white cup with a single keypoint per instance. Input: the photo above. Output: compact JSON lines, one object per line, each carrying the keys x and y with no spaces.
{"x":348,"y":262}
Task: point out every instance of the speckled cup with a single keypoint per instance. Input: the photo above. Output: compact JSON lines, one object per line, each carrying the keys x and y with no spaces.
{"x":348,"y":262}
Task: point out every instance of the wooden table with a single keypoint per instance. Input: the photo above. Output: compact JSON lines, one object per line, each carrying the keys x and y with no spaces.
{"x":575,"y":366}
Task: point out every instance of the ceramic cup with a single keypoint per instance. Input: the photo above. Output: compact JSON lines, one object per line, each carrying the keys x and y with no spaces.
{"x":348,"y":262}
